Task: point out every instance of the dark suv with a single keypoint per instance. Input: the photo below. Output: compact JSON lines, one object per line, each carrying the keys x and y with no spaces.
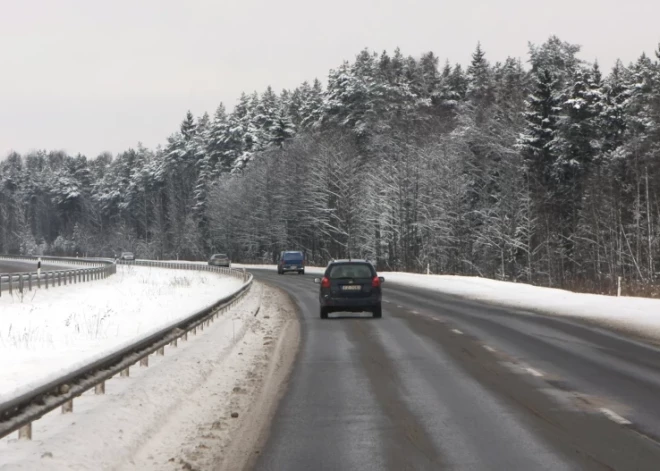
{"x":291,"y":260}
{"x":352,"y":286}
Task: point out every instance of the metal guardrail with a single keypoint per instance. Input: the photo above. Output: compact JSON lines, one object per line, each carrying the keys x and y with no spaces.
{"x":101,"y":268}
{"x":238,"y":273}
{"x":17,"y":414}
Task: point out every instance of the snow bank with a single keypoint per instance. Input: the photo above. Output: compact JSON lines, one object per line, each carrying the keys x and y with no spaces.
{"x":48,"y":332}
{"x":640,"y":315}
{"x":178,"y":413}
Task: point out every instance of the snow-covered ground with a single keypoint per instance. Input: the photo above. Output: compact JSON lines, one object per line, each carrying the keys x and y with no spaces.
{"x":48,"y":332}
{"x":201,"y":406}
{"x":640,"y":316}
{"x":637,"y":315}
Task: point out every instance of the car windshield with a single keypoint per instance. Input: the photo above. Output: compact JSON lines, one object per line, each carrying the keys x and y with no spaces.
{"x":220,"y":255}
{"x":351,"y":270}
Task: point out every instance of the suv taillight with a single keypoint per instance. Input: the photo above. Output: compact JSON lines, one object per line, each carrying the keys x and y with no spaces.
{"x":325,"y":282}
{"x":375,"y":283}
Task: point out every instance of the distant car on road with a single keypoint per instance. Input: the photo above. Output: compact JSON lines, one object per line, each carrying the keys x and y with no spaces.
{"x":291,"y":260}
{"x":220,"y":260}
{"x":352,"y":286}
{"x":127,"y":256}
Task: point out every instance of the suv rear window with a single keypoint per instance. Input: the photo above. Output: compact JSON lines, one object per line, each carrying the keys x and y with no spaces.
{"x":351,"y":270}
{"x":293,"y":256}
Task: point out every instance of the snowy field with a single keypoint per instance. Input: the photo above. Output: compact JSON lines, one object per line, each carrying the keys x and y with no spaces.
{"x":48,"y":332}
{"x":200,"y":406}
{"x":640,"y":316}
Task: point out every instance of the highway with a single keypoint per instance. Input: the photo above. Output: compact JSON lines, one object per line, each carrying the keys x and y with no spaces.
{"x":444,"y":383}
{"x":10,"y":266}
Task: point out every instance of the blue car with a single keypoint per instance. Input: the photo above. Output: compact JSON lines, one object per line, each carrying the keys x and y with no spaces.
{"x":291,"y":260}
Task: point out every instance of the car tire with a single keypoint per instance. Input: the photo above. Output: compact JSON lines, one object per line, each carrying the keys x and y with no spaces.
{"x":301,"y":272}
{"x":377,"y":311}
{"x":324,"y":313}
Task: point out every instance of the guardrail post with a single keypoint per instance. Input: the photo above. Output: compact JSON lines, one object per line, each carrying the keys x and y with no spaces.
{"x":125,"y":373}
{"x":59,"y":279}
{"x":10,"y":287}
{"x":184,"y":337}
{"x":144,"y":361}
{"x":66,"y":275}
{"x":46,"y":279}
{"x":174,"y":343}
{"x":30,"y":281}
{"x":67,"y":407}
{"x":25,"y":432}
{"x":160,"y":351}
{"x":39,"y":281}
{"x":99,"y":388}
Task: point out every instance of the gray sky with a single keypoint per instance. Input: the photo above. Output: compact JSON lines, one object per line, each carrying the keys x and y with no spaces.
{"x":90,"y":76}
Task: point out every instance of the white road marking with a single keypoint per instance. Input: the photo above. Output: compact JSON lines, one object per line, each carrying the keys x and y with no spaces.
{"x":399,"y":306}
{"x":414,"y":312}
{"x":490,"y":349}
{"x":456,"y":331}
{"x":614,"y":417}
{"x":533,"y":372}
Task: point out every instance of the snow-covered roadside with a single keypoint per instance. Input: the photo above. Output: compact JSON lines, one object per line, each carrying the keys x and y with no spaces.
{"x":48,"y":332}
{"x":177,"y":413}
{"x":640,"y":316}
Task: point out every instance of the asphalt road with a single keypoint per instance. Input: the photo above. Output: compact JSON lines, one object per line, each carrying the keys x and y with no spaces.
{"x":443,"y":383}
{"x":8,"y":266}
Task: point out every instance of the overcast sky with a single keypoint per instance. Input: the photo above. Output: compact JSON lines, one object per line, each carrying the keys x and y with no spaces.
{"x":91,"y":76}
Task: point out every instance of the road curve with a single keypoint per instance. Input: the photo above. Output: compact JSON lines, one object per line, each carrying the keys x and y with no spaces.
{"x":11,"y":266}
{"x":443,"y":383}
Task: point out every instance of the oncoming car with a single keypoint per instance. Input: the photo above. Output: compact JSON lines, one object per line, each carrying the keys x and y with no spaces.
{"x":350,"y":286}
{"x":220,"y":260}
{"x":127,"y":256}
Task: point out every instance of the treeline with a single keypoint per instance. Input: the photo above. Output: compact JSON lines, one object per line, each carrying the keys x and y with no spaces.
{"x":547,"y":173}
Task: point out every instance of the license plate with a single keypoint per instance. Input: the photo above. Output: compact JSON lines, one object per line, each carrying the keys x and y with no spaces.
{"x":351,"y":287}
